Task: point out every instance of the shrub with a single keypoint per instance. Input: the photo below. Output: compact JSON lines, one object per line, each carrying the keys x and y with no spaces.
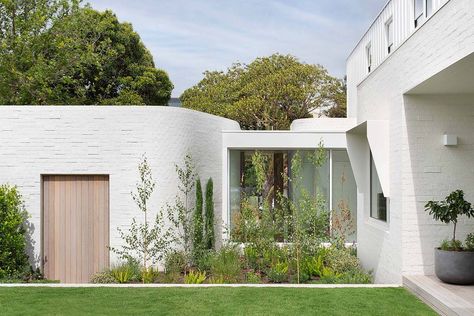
{"x":341,"y":260}
{"x":195,"y":277}
{"x":13,"y":233}
{"x":175,"y":262}
{"x":198,"y":238}
{"x":449,"y":210}
{"x":226,"y":264}
{"x":470,"y":242}
{"x":278,"y":272}
{"x":104,"y":277}
{"x":209,"y":223}
{"x":253,"y":278}
{"x":204,"y":261}
{"x":122,"y":273}
{"x":451,"y":245}
{"x":149,"y":275}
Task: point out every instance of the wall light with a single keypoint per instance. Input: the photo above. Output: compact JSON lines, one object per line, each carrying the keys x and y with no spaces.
{"x":450,"y":140}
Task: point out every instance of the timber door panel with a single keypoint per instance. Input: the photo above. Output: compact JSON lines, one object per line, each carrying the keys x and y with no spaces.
{"x":75,"y":226}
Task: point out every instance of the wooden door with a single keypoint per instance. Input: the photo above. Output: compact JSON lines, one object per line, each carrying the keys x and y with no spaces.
{"x":75,"y":226}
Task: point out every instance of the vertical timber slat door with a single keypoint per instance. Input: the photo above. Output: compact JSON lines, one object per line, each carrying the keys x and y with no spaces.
{"x":75,"y":226}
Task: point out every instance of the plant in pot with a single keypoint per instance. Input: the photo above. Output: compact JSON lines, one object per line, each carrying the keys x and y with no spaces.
{"x":453,"y":263}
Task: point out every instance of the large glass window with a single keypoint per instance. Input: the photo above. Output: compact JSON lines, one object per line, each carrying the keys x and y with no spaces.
{"x":316,"y":186}
{"x":378,"y":202}
{"x":344,"y":196}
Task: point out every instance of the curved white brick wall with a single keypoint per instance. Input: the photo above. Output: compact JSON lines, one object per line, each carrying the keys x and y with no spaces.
{"x":37,"y":140}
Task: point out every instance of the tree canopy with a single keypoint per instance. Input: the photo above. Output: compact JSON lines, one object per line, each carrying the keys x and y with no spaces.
{"x":268,"y":93}
{"x":59,"y":52}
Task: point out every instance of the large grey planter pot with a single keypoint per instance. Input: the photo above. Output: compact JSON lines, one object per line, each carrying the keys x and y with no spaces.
{"x":455,"y":267}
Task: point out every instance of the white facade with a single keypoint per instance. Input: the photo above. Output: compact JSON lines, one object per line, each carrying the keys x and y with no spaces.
{"x":38,"y":140}
{"x":412,"y":97}
{"x":398,"y":113}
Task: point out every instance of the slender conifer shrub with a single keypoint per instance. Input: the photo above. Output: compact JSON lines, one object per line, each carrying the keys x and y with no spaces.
{"x":209,"y":219}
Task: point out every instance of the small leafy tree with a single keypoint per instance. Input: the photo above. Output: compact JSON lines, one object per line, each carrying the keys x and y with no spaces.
{"x":13,"y":232}
{"x":448,"y":211}
{"x":181,"y":213}
{"x":198,"y":222}
{"x":144,"y":242}
{"x":209,"y":224}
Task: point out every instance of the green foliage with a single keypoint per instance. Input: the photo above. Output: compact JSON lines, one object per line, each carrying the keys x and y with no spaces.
{"x":226,"y":264}
{"x":451,"y":245}
{"x":175,"y":262}
{"x":268,"y":93}
{"x":252,"y":278}
{"x":469,"y":244}
{"x":104,"y":277}
{"x":195,"y":277}
{"x":198,"y":223}
{"x":278,"y":272}
{"x":123,"y":273}
{"x":341,"y":260}
{"x":180,"y":215}
{"x":204,"y":261}
{"x":58,"y":52}
{"x":149,"y":275}
{"x":448,"y":211}
{"x":209,"y":221}
{"x":144,"y":242}
{"x":13,"y":233}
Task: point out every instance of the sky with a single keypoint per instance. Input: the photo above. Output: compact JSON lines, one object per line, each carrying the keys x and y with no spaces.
{"x":188,"y":37}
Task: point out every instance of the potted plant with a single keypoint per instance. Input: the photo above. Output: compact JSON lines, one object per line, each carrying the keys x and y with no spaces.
{"x":453,"y":262}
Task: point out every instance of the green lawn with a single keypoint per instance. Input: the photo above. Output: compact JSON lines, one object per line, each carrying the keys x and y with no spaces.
{"x":210,"y":301}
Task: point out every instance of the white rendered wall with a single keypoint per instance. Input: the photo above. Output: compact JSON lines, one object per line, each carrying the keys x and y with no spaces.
{"x":420,"y":167}
{"x":401,"y":12}
{"x":108,"y":140}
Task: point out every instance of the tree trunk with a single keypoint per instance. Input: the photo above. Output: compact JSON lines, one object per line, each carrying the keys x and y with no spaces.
{"x":278,"y":184}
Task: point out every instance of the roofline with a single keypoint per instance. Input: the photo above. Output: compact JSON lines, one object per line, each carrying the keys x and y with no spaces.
{"x":368,"y":29}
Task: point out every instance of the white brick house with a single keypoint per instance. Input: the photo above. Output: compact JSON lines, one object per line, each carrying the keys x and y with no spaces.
{"x":410,"y":82}
{"x":404,"y":100}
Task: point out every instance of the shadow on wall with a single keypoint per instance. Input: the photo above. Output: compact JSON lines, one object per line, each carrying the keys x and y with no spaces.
{"x":30,"y":245}
{"x":432,"y":171}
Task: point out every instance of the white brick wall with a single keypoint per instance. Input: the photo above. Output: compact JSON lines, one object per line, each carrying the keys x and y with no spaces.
{"x":421,"y":168}
{"x":108,"y":140}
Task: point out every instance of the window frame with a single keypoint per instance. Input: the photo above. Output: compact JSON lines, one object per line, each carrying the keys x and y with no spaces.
{"x":389,"y":39}
{"x":368,"y":55}
{"x":418,"y":19}
{"x":371,"y":184}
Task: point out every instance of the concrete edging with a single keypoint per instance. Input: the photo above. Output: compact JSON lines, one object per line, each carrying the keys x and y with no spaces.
{"x":307,"y":286}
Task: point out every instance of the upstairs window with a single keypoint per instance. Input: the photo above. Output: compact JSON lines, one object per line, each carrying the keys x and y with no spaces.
{"x":368,"y":52}
{"x":389,"y":31}
{"x":423,"y":9}
{"x":429,"y":7}
{"x":419,"y":12}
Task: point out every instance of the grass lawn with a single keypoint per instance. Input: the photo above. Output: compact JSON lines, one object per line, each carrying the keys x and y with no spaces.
{"x":210,"y":301}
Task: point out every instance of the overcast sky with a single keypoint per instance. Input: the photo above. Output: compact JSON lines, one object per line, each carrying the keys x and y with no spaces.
{"x":187,"y":37}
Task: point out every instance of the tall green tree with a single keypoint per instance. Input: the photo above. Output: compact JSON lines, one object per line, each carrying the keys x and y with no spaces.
{"x":198,"y":220}
{"x":59,"y":52}
{"x":13,"y":233}
{"x":209,"y":234}
{"x":268,"y":93}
